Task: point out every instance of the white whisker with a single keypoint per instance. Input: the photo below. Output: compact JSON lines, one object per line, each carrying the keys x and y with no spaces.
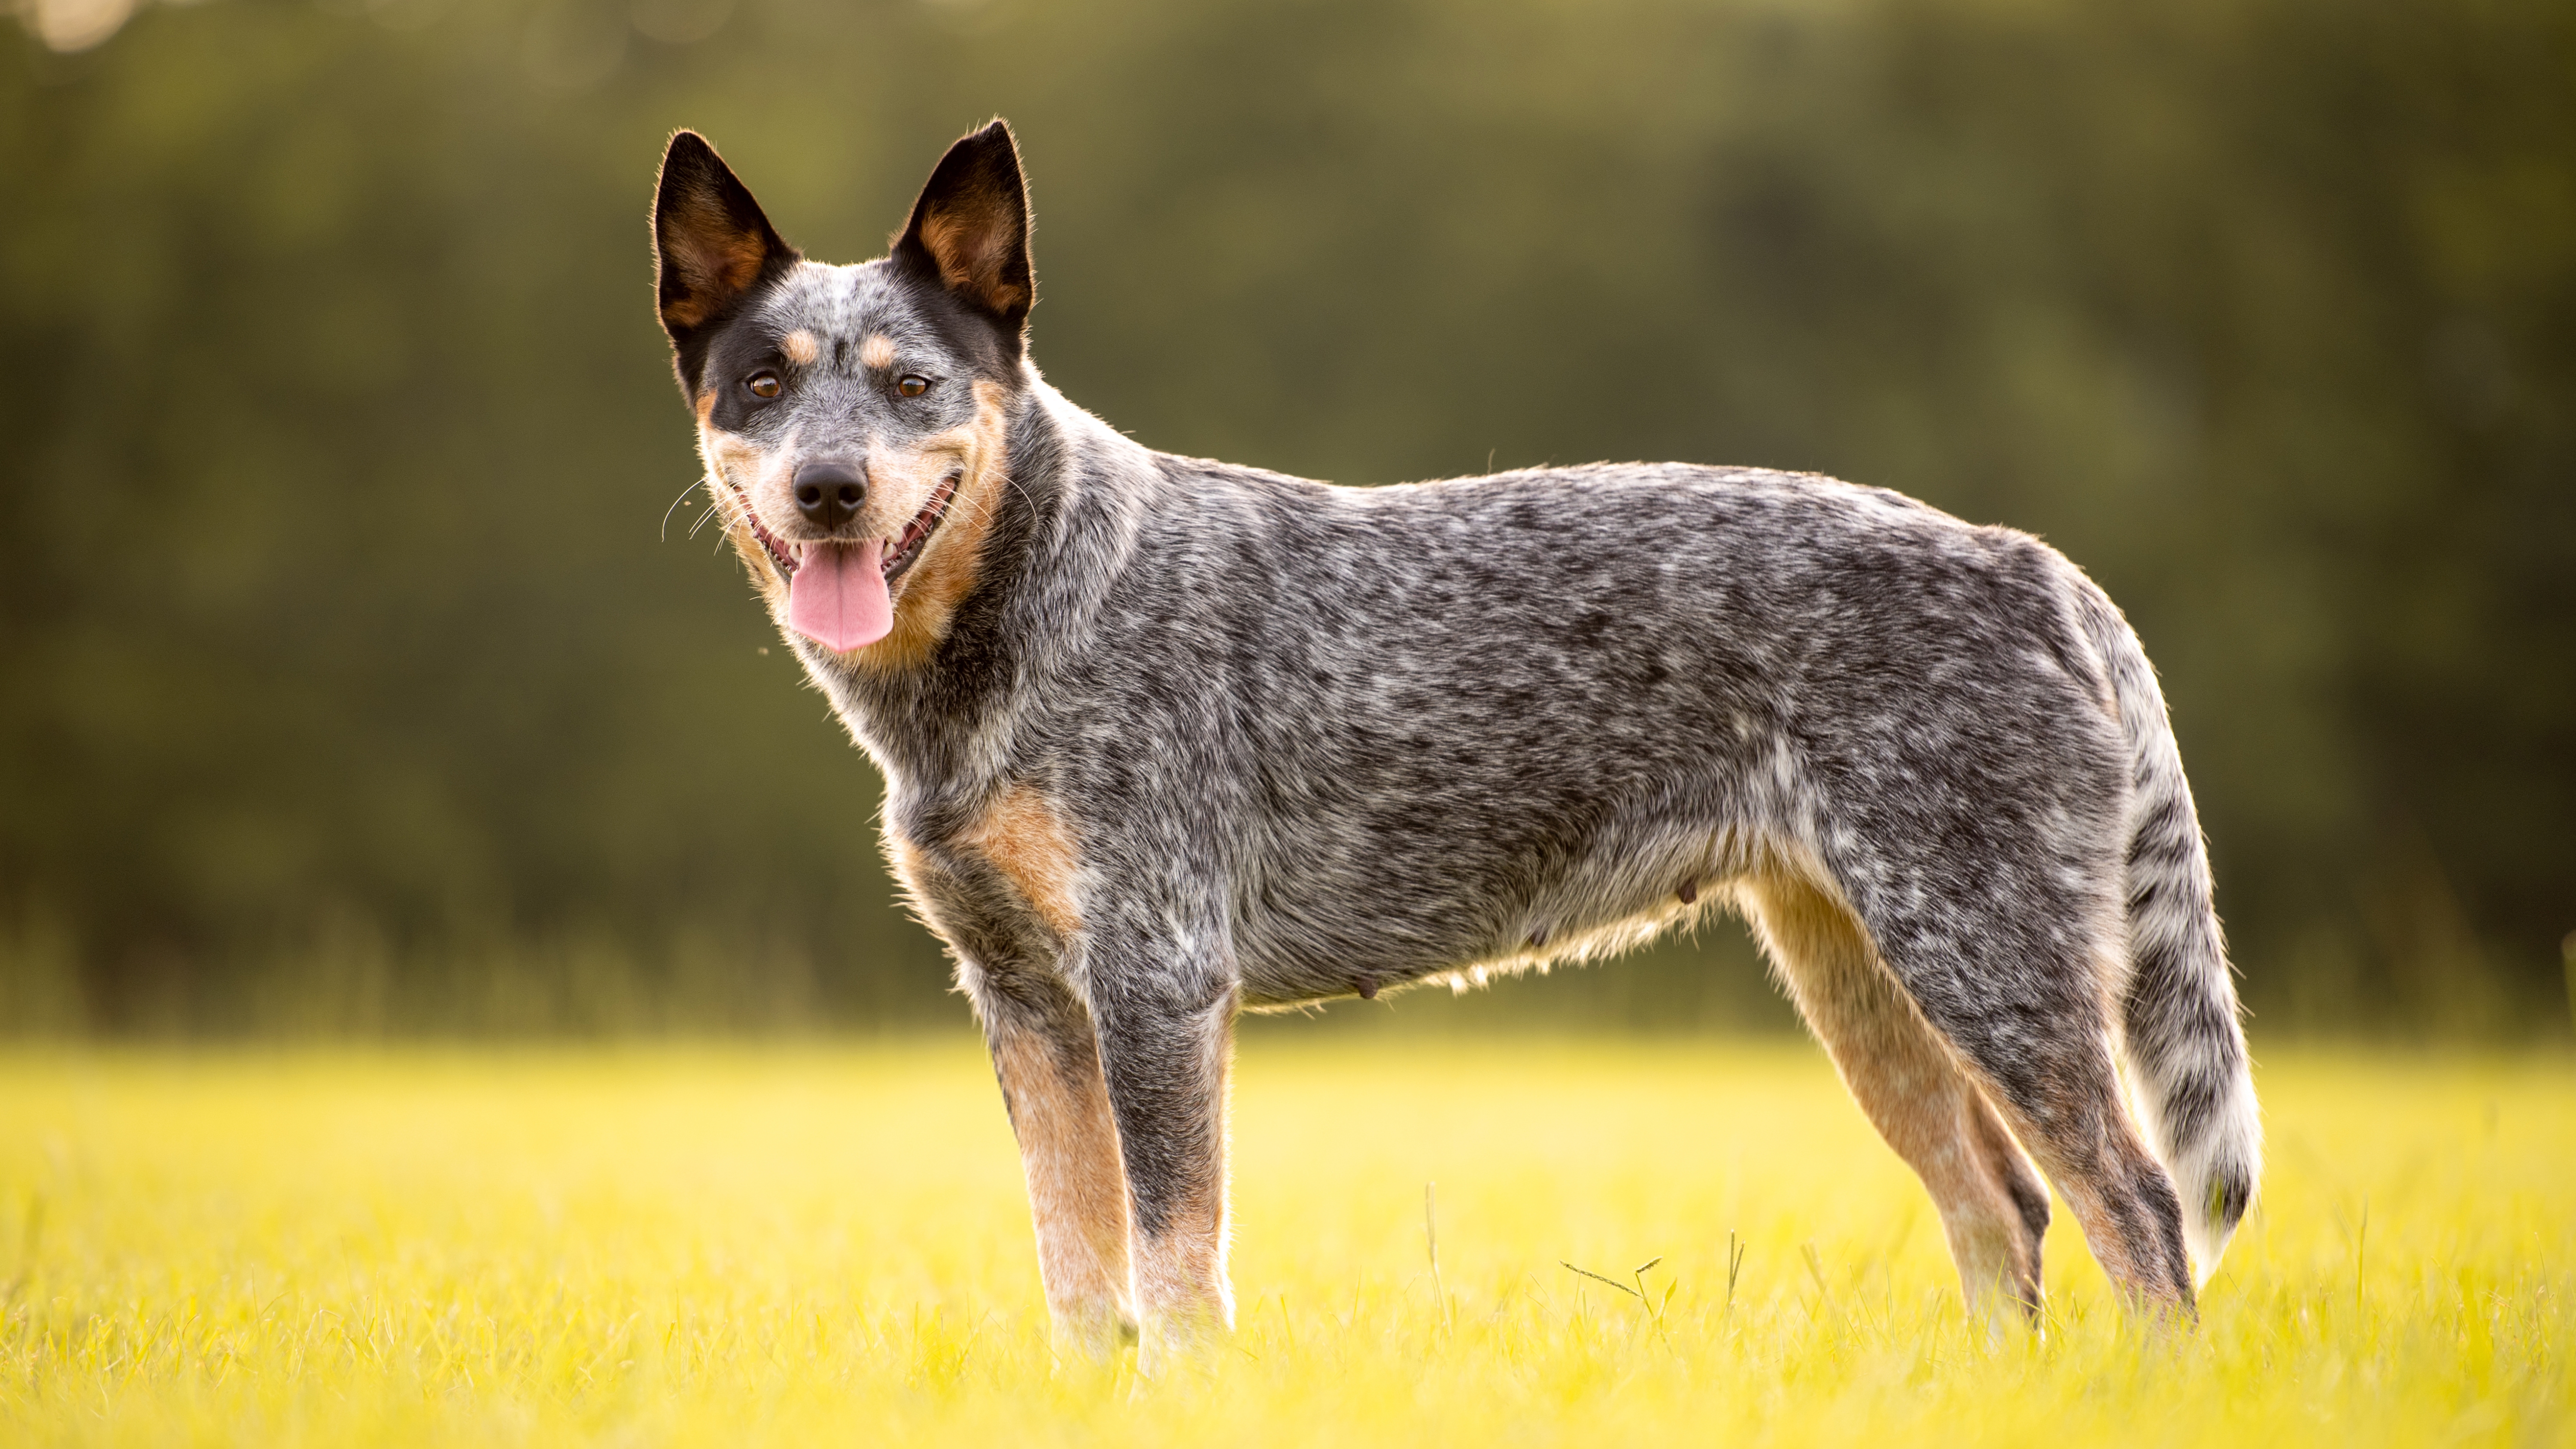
{"x":675,"y":503}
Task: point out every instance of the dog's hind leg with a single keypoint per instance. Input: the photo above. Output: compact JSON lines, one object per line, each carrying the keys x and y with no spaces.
{"x":2020,"y":984}
{"x":1993,"y":1206}
{"x":2062,"y":1095}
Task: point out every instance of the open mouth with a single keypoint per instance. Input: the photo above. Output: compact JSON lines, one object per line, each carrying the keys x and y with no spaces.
{"x":898,"y":557}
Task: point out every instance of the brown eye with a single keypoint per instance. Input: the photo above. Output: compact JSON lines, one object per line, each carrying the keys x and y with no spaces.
{"x":763,"y":384}
{"x":913,"y":384}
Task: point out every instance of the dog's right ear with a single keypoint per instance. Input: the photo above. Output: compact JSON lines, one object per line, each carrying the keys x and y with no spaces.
{"x":711,"y":243}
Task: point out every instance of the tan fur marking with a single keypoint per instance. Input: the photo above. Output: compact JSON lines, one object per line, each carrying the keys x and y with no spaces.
{"x":1077,"y":1187}
{"x":1026,"y":840}
{"x":970,"y":249}
{"x":801,"y":347}
{"x":706,"y":407}
{"x":715,"y":261}
{"x":927,"y":596}
{"x":877,"y":351}
{"x":689,"y":311}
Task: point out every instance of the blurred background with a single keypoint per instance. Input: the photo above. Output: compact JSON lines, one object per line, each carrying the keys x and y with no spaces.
{"x":357,"y":675}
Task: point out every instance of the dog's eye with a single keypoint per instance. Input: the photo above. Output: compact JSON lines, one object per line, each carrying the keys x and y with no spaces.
{"x":763,"y":384}
{"x":913,"y":384}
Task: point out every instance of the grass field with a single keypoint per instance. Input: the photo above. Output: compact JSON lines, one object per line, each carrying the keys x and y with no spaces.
{"x":747,"y":1245}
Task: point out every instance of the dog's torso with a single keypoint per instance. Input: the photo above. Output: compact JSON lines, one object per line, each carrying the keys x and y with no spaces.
{"x":1309,"y":714}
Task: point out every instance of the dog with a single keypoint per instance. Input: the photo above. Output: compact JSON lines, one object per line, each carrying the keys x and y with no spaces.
{"x":1166,"y":739}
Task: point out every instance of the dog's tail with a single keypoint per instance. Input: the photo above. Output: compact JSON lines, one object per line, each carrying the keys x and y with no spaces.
{"x":2181,"y":1044}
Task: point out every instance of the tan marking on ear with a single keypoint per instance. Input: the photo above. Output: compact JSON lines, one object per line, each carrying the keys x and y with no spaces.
{"x":951,"y":564}
{"x":877,"y":351}
{"x":715,"y":261}
{"x":1077,"y":1185}
{"x":1024,"y":837}
{"x":970,"y":250}
{"x":801,"y":347}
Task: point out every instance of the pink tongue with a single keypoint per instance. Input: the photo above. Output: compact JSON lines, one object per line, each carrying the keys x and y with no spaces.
{"x":837,"y":597}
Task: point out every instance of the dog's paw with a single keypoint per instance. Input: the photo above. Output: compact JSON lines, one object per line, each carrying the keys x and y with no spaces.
{"x":1095,"y":1332}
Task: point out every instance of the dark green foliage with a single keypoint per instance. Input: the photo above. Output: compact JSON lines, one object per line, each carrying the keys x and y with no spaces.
{"x":335,"y":625}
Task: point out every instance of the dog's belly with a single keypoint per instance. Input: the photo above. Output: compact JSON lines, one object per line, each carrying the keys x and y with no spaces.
{"x":1347,"y":936}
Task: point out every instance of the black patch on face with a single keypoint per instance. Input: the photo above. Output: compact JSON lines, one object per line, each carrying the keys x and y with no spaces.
{"x":726,"y":361}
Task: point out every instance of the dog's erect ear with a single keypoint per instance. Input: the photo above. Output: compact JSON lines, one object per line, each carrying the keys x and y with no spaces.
{"x":970,"y":229}
{"x":710,"y":241}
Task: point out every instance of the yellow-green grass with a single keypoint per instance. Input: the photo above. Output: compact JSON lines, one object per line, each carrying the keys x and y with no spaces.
{"x":745,"y":1245}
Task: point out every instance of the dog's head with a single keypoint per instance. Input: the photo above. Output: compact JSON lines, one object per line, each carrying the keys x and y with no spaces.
{"x":852,"y":418}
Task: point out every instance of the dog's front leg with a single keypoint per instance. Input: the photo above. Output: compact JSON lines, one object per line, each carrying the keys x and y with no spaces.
{"x":1166,"y":1040}
{"x":1045,"y":1056}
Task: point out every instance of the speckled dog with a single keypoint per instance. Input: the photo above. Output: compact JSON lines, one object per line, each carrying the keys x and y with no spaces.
{"x":1165,"y":739}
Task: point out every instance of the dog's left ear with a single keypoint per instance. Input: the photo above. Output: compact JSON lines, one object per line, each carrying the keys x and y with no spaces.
{"x":970,"y":228}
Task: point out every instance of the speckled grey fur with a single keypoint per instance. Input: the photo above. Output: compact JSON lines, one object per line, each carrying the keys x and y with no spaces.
{"x":1311,"y":741}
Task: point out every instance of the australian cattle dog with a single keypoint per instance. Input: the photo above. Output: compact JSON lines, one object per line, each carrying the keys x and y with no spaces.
{"x":1167,"y":739}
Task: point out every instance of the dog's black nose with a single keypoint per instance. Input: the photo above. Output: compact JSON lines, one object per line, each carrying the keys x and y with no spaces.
{"x":829,"y":494}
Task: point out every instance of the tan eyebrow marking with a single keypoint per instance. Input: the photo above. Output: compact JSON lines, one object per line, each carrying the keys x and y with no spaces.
{"x":877,"y":351}
{"x":801,"y":347}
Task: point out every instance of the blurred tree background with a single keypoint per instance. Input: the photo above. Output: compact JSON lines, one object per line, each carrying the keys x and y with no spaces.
{"x":351,"y":680}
